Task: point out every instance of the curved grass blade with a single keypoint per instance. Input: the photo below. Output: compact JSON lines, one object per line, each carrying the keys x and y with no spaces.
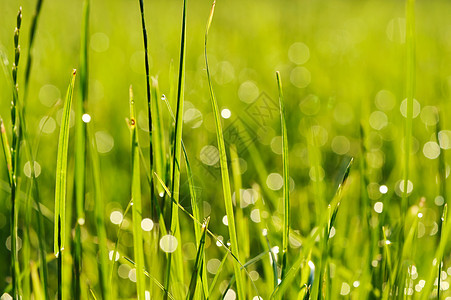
{"x":137,"y":206}
{"x":286,"y":178}
{"x":61,"y":184}
{"x":224,"y":169}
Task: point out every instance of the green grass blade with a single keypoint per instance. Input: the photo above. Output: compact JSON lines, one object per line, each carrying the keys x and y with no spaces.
{"x":61,"y":184}
{"x":241,"y":221}
{"x":150,"y":107}
{"x":224,"y":171}
{"x":137,"y":206}
{"x":177,"y":149}
{"x":286,"y":178}
{"x":410,"y":93}
{"x":80,"y":150}
{"x":198,"y":263}
{"x":99,"y":205}
{"x":158,"y":135}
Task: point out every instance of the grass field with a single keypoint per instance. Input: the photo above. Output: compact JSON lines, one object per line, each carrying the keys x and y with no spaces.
{"x":225,"y":150}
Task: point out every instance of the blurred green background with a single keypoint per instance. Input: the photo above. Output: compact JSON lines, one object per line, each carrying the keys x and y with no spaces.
{"x":342,"y":65}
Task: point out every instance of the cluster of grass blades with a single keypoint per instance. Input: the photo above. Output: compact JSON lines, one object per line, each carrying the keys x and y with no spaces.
{"x":156,"y":261}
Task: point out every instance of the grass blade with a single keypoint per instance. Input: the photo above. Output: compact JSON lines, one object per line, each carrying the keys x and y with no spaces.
{"x":137,"y":206}
{"x":241,"y":221}
{"x":80,"y":152}
{"x":286,"y":177}
{"x":198,"y":265}
{"x":99,"y":204}
{"x":410,"y":93}
{"x":177,"y":149}
{"x":224,"y":170}
{"x":61,"y":184}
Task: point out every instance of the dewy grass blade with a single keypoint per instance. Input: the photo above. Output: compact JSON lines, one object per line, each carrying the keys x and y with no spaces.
{"x":286,"y":178}
{"x":224,"y":170}
{"x":137,"y":206}
{"x":61,"y":184}
{"x":174,"y":225}
{"x":158,"y":135}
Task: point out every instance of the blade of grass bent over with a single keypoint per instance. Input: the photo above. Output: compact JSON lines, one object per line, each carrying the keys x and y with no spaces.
{"x":286,"y":178}
{"x":224,"y":170}
{"x":61,"y":184}
{"x":137,"y":206}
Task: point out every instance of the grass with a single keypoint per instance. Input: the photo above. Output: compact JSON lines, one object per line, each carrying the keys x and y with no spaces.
{"x":59,"y":239}
{"x":224,"y":172}
{"x":224,"y":184}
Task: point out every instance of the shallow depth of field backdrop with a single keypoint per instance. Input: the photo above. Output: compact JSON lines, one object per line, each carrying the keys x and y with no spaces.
{"x":343,"y":67}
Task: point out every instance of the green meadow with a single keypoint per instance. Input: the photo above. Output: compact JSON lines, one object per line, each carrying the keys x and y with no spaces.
{"x":187,"y":149}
